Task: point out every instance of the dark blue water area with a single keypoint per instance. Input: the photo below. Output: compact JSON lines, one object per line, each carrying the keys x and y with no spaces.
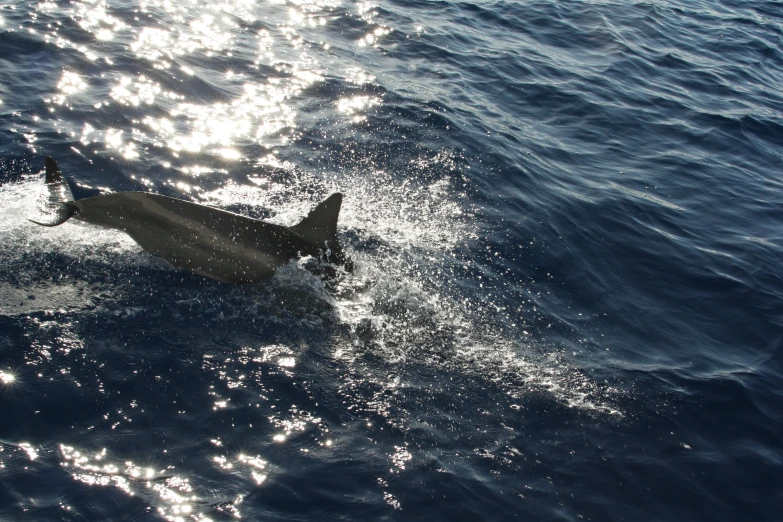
{"x":565,"y":221}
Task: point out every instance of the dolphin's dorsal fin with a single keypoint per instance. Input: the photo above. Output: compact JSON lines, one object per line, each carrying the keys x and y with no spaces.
{"x":58,"y":185}
{"x":320,"y":225}
{"x":53,"y":173}
{"x":53,"y":208}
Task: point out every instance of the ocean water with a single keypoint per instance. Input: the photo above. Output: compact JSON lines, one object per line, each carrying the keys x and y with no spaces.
{"x":566,"y":220}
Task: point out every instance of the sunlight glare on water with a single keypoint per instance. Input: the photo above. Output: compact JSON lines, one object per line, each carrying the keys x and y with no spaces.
{"x":7,"y":377}
{"x":172,"y":495}
{"x":249,"y":104}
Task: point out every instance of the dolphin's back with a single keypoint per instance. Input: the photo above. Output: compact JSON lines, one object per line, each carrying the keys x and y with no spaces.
{"x":205,"y":240}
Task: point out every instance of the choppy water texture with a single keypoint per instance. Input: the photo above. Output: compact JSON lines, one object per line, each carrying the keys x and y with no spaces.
{"x":566,"y":220}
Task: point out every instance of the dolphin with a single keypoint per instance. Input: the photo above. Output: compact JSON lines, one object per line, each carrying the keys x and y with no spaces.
{"x":208,"y":241}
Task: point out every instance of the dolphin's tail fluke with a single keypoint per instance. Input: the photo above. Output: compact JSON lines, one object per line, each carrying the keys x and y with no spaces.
{"x":55,"y":207}
{"x":320,"y":227}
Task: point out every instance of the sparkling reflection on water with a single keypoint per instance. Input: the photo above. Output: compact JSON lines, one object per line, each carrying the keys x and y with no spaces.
{"x":242,"y":72}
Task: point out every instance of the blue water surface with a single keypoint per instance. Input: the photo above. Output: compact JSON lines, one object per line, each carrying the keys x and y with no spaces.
{"x":565,"y":220}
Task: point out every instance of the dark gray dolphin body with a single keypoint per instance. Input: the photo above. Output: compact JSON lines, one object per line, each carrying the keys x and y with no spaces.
{"x":205,"y":240}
